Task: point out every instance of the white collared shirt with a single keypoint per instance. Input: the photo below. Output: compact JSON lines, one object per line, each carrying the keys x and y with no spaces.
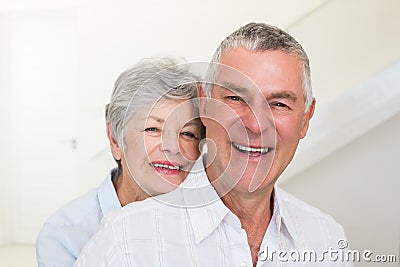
{"x":160,"y":232}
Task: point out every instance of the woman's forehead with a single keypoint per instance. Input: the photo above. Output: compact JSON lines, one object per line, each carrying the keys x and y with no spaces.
{"x":168,"y":110}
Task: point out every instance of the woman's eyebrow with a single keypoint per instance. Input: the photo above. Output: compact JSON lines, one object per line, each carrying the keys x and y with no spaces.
{"x":157,"y":119}
{"x":194,"y":122}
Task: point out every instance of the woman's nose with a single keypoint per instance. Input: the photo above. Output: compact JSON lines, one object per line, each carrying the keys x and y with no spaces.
{"x":169,"y":142}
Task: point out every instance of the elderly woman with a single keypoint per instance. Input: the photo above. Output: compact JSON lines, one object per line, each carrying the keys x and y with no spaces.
{"x":154,"y":133}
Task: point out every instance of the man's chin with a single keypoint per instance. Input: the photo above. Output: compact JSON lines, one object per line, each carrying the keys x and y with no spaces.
{"x":244,"y":184}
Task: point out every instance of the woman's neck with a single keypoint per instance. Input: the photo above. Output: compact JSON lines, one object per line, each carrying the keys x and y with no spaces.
{"x":127,"y":190}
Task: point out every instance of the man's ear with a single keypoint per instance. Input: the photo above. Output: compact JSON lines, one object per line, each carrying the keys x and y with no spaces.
{"x":202,"y":104}
{"x":306,"y":119}
{"x":115,"y":148}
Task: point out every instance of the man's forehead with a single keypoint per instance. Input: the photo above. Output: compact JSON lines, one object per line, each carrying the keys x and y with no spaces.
{"x":231,"y":79}
{"x":271,"y":72}
{"x":242,"y":61}
{"x":231,"y":87}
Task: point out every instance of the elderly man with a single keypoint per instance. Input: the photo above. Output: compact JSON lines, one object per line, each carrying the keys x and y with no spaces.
{"x":256,"y":106}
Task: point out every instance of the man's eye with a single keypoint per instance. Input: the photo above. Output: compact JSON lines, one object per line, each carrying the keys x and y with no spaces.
{"x":280,"y":105}
{"x":234,"y":98}
{"x":151,"y":129}
{"x":189,"y":135}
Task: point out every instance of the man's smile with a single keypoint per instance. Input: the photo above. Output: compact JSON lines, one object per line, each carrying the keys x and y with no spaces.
{"x":251,"y":150}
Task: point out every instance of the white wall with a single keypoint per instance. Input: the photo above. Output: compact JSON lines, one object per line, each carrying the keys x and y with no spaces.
{"x":359,"y":186}
{"x":347,"y":42}
{"x":4,"y":134}
{"x":40,"y":85}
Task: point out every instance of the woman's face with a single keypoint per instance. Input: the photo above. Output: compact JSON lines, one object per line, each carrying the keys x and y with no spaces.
{"x":161,"y":145}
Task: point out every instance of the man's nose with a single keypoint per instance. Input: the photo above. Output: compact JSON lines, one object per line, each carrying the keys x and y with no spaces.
{"x":169,"y":142}
{"x":257,"y":119}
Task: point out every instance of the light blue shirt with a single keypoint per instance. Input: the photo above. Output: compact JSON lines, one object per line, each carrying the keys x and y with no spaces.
{"x":65,"y":233}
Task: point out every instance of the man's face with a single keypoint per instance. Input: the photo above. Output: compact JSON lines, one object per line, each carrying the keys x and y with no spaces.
{"x":254,"y":121}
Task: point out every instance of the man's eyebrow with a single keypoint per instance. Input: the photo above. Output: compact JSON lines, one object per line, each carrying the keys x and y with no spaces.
{"x":233,"y":87}
{"x":284,"y":94}
{"x":239,"y":89}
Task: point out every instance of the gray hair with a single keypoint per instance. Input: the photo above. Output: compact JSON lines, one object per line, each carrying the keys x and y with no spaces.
{"x":146,"y":83}
{"x":259,"y":37}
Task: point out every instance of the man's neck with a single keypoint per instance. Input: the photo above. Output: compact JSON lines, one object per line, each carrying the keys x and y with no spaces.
{"x":254,"y":209}
{"x":242,"y":202}
{"x":254,"y":213}
{"x":248,"y":206}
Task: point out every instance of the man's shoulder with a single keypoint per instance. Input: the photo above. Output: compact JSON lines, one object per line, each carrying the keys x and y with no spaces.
{"x":299,"y":208}
{"x":309,"y":219}
{"x":140,"y":220}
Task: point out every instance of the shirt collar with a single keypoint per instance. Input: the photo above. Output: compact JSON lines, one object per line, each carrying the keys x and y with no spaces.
{"x":204,"y":207}
{"x":283,"y":218}
{"x":107,"y":195}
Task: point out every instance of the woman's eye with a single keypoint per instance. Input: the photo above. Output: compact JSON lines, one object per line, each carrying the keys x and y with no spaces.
{"x":151,"y":129}
{"x":190,"y":135}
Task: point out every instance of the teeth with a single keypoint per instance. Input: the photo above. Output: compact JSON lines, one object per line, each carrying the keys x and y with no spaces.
{"x":251,"y":149}
{"x":156,"y":165}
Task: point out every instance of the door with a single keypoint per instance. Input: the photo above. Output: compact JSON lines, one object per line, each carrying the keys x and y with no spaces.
{"x":40,"y":89}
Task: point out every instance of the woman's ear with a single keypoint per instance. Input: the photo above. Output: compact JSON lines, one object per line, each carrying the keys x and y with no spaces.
{"x":115,"y":148}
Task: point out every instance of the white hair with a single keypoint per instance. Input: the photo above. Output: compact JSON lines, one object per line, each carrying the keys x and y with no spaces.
{"x":143,"y":85}
{"x":259,"y":37}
